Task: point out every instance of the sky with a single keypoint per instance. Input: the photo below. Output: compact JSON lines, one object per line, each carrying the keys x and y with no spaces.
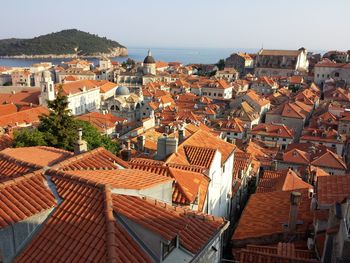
{"x":283,"y":24}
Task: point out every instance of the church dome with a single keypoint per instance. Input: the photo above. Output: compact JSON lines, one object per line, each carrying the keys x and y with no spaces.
{"x":120,"y":91}
{"x":149,"y":59}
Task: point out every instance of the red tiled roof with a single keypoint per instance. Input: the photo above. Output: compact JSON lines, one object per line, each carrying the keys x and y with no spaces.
{"x":6,"y":141}
{"x":6,"y":109}
{"x":11,"y":167}
{"x":194,"y":229}
{"x":188,"y":184}
{"x":82,"y":228}
{"x":330,"y":160}
{"x":24,"y":197}
{"x":265,"y":214}
{"x":282,"y":253}
{"x":24,"y":117}
{"x":273,"y":130}
{"x":99,"y":158}
{"x":119,"y":178}
{"x":38,"y":155}
{"x":25,"y":97}
{"x":332,"y":189}
{"x":101,"y":121}
{"x":281,"y":180}
{"x":198,"y":141}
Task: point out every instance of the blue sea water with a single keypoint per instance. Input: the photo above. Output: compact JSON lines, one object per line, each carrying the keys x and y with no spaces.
{"x":184,"y":55}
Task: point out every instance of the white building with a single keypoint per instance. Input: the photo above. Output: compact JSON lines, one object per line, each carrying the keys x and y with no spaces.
{"x":218,"y":89}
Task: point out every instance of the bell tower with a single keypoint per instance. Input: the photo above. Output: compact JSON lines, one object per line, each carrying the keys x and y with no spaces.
{"x":47,"y":88}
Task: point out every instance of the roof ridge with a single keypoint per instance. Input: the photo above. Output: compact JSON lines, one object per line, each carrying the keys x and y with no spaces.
{"x":111,"y":243}
{"x":179,"y":185}
{"x":21,"y":178}
{"x":17,"y":161}
{"x":77,"y":179}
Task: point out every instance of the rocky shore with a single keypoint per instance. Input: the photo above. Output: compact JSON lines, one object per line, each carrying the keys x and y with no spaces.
{"x":116,"y":52}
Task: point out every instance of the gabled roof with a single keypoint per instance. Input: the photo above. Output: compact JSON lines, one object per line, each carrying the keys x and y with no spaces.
{"x":118,"y":178}
{"x":188,"y":185}
{"x":99,"y":158}
{"x":82,"y":228}
{"x":24,"y":197}
{"x":199,"y":148}
{"x":194,"y":229}
{"x":37,"y":155}
{"x":25,"y":97}
{"x":330,"y":160}
{"x":281,"y":180}
{"x":101,"y":121}
{"x":273,"y":130}
{"x":24,"y":117}
{"x":265,"y":214}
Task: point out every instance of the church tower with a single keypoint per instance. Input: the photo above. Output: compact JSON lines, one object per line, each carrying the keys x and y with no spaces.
{"x":47,"y":88}
{"x":149,"y":64}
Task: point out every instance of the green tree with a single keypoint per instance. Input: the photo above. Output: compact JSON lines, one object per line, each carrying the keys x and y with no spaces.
{"x":28,"y":137}
{"x":94,"y":139}
{"x":59,"y":127}
{"x":221,"y":64}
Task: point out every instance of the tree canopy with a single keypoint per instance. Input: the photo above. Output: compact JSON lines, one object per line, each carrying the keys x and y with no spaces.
{"x":59,"y":129}
{"x":59,"y":43}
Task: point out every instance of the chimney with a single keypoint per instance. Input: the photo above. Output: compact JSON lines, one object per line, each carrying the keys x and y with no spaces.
{"x":126,"y":153}
{"x":81,"y":145}
{"x":166,"y":146}
{"x":295,"y":199}
{"x":141,"y":143}
{"x":181,"y":134}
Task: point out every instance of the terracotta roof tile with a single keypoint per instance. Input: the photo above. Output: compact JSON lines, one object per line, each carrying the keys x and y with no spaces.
{"x":24,"y":197}
{"x":194,"y":229}
{"x":99,"y":158}
{"x":332,"y":189}
{"x":281,"y":180}
{"x":38,"y":155}
{"x":121,"y":178}
{"x":24,"y":117}
{"x":197,"y":143}
{"x":265,"y":214}
{"x":82,"y":228}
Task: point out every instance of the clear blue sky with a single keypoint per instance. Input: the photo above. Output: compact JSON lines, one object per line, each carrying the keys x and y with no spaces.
{"x":285,"y":24}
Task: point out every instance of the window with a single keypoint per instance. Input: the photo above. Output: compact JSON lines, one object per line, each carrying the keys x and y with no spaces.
{"x":336,"y":74}
{"x":284,"y":139}
{"x":167,"y":248}
{"x":220,"y":95}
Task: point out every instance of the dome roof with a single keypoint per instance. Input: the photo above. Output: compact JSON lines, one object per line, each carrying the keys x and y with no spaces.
{"x":122,"y":91}
{"x":149,"y":59}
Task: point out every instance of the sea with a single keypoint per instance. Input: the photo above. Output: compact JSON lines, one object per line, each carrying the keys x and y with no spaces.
{"x":183,"y":55}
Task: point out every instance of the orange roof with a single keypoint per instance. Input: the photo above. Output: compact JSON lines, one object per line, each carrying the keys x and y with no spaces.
{"x":118,"y":178}
{"x":200,"y":147}
{"x":25,"y":97}
{"x":281,"y":180}
{"x":6,"y":109}
{"x":273,"y":130}
{"x":82,"y":228}
{"x":24,"y":117}
{"x":330,"y":160}
{"x":78,"y":86}
{"x":24,"y":197}
{"x":101,"y":121}
{"x":188,"y":185}
{"x":332,"y":189}
{"x":194,"y":229}
{"x":70,"y":78}
{"x":283,"y":252}
{"x":98,"y":158}
{"x":257,"y":98}
{"x":6,"y":141}
{"x":37,"y":155}
{"x":265,"y":214}
{"x":107,"y":86}
{"x":234,"y":124}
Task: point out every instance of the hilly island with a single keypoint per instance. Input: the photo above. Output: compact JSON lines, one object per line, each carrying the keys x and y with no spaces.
{"x":63,"y":44}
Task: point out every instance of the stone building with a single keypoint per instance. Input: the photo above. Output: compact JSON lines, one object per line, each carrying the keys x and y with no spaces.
{"x":281,"y":62}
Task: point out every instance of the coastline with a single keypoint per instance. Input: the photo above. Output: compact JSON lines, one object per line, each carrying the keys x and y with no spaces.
{"x":117,"y":52}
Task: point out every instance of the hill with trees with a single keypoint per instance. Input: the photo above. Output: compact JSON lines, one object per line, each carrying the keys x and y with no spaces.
{"x":64,"y":43}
